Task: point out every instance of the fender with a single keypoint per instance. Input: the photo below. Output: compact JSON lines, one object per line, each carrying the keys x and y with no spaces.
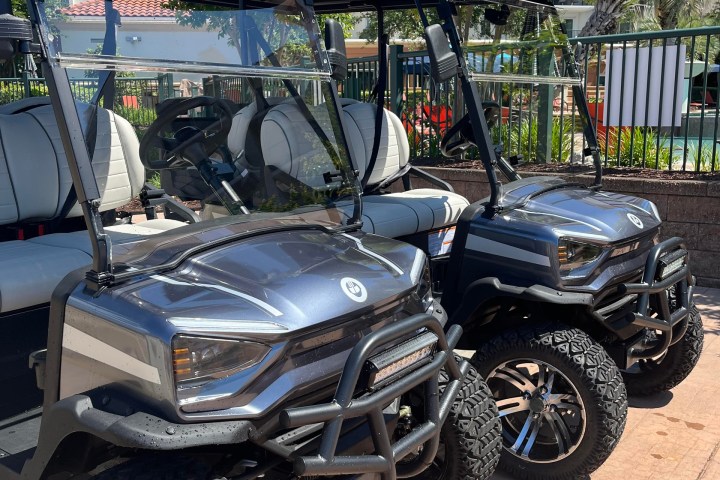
{"x":480,"y":291}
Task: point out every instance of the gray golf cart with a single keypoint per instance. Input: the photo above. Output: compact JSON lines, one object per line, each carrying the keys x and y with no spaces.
{"x":264,"y":336}
{"x":565,"y":291}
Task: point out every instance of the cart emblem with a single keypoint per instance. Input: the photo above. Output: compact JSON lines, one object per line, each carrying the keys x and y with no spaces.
{"x":635,"y":220}
{"x":355,"y":290}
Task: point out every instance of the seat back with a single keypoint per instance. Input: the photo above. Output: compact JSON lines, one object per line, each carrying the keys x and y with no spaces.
{"x":287,"y":140}
{"x":34,"y":175}
{"x":394,"y":151}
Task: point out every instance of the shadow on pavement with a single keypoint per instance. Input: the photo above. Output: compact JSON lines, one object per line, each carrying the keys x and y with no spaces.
{"x":653,"y":401}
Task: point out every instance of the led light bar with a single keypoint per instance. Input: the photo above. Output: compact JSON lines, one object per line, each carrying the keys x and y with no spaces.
{"x":671,"y":263}
{"x":387,"y":366}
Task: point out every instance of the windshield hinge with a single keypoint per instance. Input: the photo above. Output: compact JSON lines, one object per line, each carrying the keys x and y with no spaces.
{"x":98,"y":281}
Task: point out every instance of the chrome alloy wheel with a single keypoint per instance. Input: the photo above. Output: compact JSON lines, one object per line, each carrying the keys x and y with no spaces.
{"x":543,"y":416}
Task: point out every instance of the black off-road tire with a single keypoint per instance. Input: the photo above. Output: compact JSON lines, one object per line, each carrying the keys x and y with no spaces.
{"x":579,"y":362}
{"x":470,"y":440}
{"x":650,"y":376}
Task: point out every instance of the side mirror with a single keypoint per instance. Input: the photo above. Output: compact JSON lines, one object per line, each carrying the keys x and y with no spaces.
{"x":498,"y":17}
{"x":335,"y":46}
{"x":443,"y":61}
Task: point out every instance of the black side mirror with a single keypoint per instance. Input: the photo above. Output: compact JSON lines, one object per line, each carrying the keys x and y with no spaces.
{"x":443,"y":62}
{"x":335,"y":46}
{"x":498,"y":17}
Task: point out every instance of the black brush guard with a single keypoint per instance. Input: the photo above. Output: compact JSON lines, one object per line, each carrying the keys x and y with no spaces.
{"x":424,"y":437}
{"x":652,"y":293}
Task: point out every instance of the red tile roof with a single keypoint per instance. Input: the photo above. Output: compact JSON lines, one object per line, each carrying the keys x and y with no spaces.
{"x":127,"y":8}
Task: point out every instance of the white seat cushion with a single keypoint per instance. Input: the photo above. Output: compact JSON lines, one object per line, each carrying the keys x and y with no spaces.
{"x":32,"y":271}
{"x":390,"y":219}
{"x":119,"y":234}
{"x":394,"y":149}
{"x":289,"y":144}
{"x":34,"y":184}
{"x":433,"y":208}
{"x":424,"y":208}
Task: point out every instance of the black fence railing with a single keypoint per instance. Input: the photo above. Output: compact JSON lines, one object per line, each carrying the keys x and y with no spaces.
{"x":653,"y":98}
{"x":135,"y":98}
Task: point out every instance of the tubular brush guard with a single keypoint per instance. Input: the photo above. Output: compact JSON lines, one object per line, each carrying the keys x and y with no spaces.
{"x":345,"y":406}
{"x":652,"y":292}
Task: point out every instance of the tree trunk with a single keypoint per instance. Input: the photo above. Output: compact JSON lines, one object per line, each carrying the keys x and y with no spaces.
{"x":604,"y":19}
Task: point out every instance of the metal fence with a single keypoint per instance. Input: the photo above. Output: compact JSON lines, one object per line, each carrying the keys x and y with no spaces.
{"x":135,"y":97}
{"x":653,"y":98}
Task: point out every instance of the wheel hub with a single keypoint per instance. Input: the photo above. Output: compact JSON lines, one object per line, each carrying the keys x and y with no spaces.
{"x":538,"y":405}
{"x":541,"y":410}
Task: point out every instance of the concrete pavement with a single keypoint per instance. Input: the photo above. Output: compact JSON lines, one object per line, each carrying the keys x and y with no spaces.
{"x":675,"y":434}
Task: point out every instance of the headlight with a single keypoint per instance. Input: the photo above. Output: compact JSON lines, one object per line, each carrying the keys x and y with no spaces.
{"x":424,"y":287}
{"x":576,"y":258}
{"x":198,"y":361}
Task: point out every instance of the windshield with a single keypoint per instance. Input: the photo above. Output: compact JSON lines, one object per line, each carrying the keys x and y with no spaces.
{"x":526,"y":76}
{"x":232,"y":112}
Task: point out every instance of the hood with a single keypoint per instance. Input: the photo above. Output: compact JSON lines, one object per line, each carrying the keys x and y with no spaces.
{"x":571,"y":210}
{"x":284,"y":281}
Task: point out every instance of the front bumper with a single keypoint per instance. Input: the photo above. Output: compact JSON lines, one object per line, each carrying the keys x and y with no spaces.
{"x":659,"y":301}
{"x":345,"y":406}
{"x":142,"y":431}
{"x":668,"y":297}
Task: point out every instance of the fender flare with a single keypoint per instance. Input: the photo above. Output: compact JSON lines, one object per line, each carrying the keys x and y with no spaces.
{"x":480,"y":291}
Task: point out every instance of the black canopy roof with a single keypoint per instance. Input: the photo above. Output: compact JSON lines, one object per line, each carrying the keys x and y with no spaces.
{"x":337,"y":6}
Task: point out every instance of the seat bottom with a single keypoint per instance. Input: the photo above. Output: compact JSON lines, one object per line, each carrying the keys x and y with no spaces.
{"x":31,"y":269}
{"x":406,"y":213}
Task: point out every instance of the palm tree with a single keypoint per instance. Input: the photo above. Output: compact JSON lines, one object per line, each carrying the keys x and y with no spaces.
{"x":606,"y":17}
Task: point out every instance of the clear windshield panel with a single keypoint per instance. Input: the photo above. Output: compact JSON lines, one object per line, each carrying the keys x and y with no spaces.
{"x":179,"y":36}
{"x":230,"y":112}
{"x":527,"y":45}
{"x":266,"y":146}
{"x":525,"y":75}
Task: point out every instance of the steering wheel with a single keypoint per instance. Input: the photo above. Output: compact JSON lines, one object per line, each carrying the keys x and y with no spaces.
{"x":463,"y":130}
{"x":451,"y":147}
{"x":189,"y":143}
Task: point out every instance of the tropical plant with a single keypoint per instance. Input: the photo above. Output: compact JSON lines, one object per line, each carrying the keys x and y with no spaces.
{"x":638,"y":147}
{"x":522,"y":139}
{"x":702,"y":159}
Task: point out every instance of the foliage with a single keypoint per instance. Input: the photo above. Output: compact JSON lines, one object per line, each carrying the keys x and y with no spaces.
{"x":702,"y":158}
{"x":137,"y":116}
{"x":523,"y":139}
{"x":10,"y":93}
{"x":285,"y":33}
{"x":406,"y":24}
{"x":154,"y":179}
{"x":669,"y":14}
{"x":638,"y":147}
{"x":15,"y":90}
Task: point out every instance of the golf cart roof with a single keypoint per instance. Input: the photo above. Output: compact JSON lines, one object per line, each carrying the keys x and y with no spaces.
{"x":340,"y":6}
{"x":336,"y":6}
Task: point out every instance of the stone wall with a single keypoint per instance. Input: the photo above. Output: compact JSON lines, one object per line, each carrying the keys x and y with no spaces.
{"x":689,"y":209}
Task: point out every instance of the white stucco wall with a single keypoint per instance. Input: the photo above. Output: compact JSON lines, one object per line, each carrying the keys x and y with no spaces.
{"x":162,"y":39}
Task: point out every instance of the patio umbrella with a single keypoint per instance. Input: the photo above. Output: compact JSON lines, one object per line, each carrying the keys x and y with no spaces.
{"x":30,"y":66}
